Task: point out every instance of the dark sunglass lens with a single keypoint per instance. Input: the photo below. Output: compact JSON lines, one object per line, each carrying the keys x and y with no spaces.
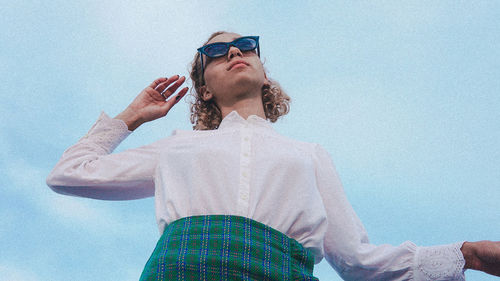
{"x":246,"y":44}
{"x":216,"y":50}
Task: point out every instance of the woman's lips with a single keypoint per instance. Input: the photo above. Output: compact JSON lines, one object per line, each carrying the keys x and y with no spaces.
{"x":238,"y":65}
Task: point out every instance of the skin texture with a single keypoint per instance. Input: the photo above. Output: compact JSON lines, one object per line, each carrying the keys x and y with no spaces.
{"x":240,"y":89}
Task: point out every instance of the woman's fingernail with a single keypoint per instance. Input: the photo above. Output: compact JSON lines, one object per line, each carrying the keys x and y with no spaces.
{"x":177,"y":98}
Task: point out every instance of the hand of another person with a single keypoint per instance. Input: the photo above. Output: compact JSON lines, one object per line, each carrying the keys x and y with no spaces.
{"x":151,"y":104}
{"x":483,"y":256}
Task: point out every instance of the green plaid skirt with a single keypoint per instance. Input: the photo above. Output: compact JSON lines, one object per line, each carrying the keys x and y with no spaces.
{"x":224,"y":247}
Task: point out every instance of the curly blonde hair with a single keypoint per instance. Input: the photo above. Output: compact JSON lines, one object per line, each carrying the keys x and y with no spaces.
{"x":206,"y":115}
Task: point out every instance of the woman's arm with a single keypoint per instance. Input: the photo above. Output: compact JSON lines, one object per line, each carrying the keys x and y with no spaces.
{"x":88,"y":168}
{"x":348,"y":250}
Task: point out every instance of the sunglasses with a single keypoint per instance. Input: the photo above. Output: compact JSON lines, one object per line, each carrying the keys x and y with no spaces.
{"x":219,"y":49}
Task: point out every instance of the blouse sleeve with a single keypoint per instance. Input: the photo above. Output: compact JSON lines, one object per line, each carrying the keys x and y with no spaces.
{"x":88,"y":169}
{"x":348,"y":250}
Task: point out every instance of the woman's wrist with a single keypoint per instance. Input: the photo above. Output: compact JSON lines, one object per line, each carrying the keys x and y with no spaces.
{"x":130,"y":118}
{"x":468,"y":253}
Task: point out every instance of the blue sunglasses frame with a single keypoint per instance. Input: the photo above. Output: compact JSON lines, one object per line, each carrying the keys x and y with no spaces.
{"x":227,"y":45}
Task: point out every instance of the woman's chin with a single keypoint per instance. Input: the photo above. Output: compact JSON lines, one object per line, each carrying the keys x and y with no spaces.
{"x":246,"y":79}
{"x":246,"y":85}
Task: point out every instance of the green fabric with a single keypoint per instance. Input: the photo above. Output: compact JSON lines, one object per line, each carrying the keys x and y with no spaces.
{"x":224,"y":247}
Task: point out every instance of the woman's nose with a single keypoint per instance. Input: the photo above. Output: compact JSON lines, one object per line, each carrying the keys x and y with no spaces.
{"x":233,"y":51}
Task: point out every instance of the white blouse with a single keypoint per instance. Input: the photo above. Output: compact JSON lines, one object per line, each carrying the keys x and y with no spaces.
{"x":246,"y":168}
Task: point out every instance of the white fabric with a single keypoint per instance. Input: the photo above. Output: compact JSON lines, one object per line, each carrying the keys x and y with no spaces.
{"x":246,"y":168}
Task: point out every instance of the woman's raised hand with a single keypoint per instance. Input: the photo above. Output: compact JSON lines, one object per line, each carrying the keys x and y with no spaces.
{"x":153,"y":102}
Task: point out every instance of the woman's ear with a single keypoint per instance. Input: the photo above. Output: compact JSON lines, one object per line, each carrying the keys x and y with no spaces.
{"x":205,"y":94}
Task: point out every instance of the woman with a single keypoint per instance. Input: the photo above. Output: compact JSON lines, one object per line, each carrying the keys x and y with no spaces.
{"x":234,"y":199}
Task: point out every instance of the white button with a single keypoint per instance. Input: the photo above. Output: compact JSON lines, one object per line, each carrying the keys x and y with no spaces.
{"x":245,"y":154}
{"x":244,"y":174}
{"x":246,"y":138}
{"x":244,"y":196}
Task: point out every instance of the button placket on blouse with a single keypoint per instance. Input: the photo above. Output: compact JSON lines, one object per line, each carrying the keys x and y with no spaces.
{"x":245,"y":161}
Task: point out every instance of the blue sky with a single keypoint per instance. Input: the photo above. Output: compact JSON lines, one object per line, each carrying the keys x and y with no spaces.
{"x":403,"y":94}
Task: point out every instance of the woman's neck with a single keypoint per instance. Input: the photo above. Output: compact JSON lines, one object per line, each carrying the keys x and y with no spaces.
{"x":245,"y":107}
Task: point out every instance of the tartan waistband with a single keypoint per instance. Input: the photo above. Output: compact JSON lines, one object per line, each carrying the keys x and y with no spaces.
{"x":229,"y":248}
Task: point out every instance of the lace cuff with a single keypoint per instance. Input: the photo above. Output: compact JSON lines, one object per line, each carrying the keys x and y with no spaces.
{"x":107,"y":133}
{"x":444,"y":262}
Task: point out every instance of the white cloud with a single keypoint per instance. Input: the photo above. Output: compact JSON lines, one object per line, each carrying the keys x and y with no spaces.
{"x":28,"y":181}
{"x":71,"y":209}
{"x":9,"y":272}
{"x":155,"y":32}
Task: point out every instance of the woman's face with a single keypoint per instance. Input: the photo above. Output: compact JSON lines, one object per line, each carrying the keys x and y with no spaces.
{"x":234,"y":75}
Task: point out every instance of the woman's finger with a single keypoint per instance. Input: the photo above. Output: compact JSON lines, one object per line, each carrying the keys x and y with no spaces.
{"x":162,"y":86}
{"x":168,"y":92}
{"x":171,"y":102}
{"x":157,"y":82}
{"x":181,"y":94}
